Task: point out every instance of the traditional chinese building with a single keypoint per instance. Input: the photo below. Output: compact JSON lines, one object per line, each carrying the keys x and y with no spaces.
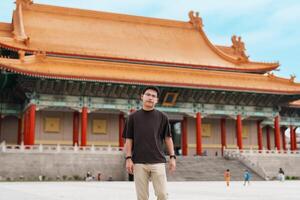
{"x":72,"y":76}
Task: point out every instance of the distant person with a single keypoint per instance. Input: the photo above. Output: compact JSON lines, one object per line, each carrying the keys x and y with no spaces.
{"x":99,"y":177}
{"x":227,"y":177}
{"x":281,"y":176}
{"x":247,"y":177}
{"x":89,"y":176}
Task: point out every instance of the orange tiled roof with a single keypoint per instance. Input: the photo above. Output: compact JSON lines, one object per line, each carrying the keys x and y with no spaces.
{"x":69,"y":31}
{"x":41,"y":65}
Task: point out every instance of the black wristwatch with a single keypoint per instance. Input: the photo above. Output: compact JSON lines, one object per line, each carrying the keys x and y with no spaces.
{"x":128,"y":157}
{"x":173,"y":156}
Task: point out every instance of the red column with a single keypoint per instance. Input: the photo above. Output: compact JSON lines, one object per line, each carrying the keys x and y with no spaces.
{"x":295,"y":139}
{"x":76,"y":128}
{"x":268,"y":138}
{"x":31,"y":123}
{"x":291,"y":138}
{"x":259,"y":135}
{"x":121,"y":128}
{"x":223,"y":134}
{"x":198,"y":134}
{"x":84,"y":118}
{"x":239,"y":128}
{"x":25,"y":127}
{"x":282,"y":130}
{"x":19,"y":131}
{"x":184,"y":137}
{"x":277,"y":132}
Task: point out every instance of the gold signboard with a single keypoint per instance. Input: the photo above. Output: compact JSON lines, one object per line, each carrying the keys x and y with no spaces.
{"x":245,"y":132}
{"x":170,"y":99}
{"x":99,"y":126}
{"x":52,"y":125}
{"x":206,"y":130}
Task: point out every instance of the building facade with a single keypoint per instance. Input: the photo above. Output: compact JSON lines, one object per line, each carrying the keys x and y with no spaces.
{"x":71,"y":77}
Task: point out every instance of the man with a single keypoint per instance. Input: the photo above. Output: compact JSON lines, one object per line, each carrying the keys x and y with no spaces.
{"x":145,"y":132}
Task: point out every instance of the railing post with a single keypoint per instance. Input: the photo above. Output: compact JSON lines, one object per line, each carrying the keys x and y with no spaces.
{"x":3,"y":145}
{"x":58,"y":148}
{"x":75,"y":147}
{"x":40,"y":148}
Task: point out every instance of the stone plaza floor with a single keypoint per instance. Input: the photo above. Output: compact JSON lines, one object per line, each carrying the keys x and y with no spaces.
{"x":214,"y":190}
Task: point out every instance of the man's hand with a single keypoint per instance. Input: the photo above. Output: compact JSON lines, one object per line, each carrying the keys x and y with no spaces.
{"x":129,"y":166}
{"x":172,"y":165}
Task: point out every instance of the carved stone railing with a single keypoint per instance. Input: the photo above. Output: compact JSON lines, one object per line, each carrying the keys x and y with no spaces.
{"x":58,"y":149}
{"x":274,"y":152}
{"x":244,"y":157}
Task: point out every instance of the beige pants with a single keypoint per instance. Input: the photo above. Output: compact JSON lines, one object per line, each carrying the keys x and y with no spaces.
{"x":142,"y":175}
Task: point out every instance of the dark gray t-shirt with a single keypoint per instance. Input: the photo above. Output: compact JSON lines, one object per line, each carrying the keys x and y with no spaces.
{"x":148,"y":130}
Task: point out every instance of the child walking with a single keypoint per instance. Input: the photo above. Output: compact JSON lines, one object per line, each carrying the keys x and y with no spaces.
{"x":227,"y":177}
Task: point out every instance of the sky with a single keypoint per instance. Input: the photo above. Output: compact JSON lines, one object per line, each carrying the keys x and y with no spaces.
{"x":270,"y":29}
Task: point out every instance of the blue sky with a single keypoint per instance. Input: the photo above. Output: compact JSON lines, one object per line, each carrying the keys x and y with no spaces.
{"x":269,"y":28}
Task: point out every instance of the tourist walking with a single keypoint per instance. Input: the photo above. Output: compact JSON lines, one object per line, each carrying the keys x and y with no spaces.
{"x":227,"y":177}
{"x":281,"y":175}
{"x":247,"y":177}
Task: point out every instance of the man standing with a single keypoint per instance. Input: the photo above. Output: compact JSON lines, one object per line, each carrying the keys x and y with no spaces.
{"x":145,"y":132}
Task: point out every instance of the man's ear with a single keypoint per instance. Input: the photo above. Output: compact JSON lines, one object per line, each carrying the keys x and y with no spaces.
{"x":142,"y":97}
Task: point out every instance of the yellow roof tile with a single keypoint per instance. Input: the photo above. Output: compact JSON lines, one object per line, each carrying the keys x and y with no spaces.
{"x":88,"y":33}
{"x":92,"y":70}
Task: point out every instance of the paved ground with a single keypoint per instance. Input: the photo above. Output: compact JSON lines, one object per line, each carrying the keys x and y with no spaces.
{"x":289,"y":190}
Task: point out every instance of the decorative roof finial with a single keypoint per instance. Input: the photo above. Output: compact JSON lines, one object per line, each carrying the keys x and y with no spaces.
{"x":24,"y":2}
{"x":292,"y":78}
{"x":239,"y":47}
{"x":271,"y":75}
{"x":195,"y":20}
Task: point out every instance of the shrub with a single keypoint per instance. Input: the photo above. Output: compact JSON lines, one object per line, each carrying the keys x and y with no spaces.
{"x":65,"y":177}
{"x":77,"y":178}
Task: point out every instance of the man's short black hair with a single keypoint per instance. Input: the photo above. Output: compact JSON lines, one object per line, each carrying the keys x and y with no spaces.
{"x":151,"y":88}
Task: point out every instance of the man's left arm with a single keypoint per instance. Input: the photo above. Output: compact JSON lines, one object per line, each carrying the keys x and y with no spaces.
{"x":170,"y":147}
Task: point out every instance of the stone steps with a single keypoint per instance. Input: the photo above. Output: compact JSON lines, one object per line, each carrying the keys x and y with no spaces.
{"x":192,"y":168}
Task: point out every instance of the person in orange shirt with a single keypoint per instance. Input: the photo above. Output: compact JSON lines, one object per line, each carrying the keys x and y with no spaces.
{"x":227,"y":177}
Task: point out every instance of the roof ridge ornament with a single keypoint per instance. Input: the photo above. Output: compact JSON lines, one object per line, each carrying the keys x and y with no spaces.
{"x":195,"y":20}
{"x":239,"y":48}
{"x":18,"y":21}
{"x":271,"y":75}
{"x":24,"y":2}
{"x":292,"y":78}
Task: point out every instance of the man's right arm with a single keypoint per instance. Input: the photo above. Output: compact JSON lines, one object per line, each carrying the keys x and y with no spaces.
{"x":128,"y":152}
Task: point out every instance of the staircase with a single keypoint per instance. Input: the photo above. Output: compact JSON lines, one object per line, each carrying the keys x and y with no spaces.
{"x":271,"y":164}
{"x":192,"y":168}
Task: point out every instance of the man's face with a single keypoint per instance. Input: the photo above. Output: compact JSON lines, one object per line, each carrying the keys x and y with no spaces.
{"x":149,"y":98}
